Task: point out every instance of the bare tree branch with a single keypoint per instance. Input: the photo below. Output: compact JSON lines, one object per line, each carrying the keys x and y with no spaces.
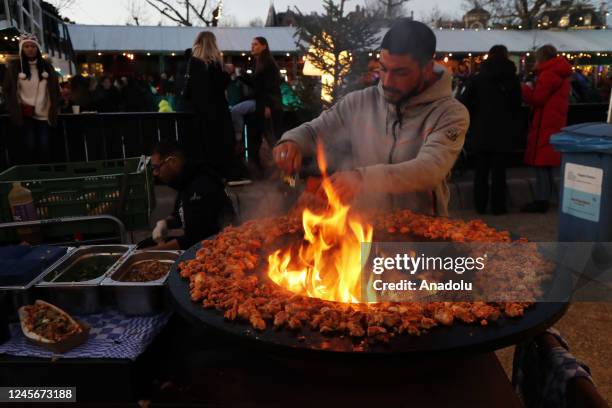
{"x":177,"y":17}
{"x":62,"y":4}
{"x":195,"y":12}
{"x":137,"y":13}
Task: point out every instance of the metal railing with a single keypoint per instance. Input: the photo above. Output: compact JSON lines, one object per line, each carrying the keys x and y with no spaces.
{"x":101,"y":136}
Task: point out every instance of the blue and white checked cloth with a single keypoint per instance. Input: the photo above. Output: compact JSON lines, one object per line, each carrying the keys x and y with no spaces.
{"x":111,"y":335}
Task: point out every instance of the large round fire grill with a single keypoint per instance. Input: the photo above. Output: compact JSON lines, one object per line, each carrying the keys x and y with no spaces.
{"x":458,"y":337}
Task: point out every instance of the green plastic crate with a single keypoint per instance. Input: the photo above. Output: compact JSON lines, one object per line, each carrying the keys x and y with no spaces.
{"x":86,"y":188}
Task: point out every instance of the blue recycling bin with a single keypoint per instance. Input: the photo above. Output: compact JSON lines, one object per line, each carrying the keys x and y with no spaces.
{"x":585,"y":205}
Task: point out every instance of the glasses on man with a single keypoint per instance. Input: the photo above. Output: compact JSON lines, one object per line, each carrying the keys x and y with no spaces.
{"x":157,"y":167}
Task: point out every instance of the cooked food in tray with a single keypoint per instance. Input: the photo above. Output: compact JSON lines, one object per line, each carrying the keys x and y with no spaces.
{"x":48,"y":325}
{"x":84,"y":269}
{"x":146,"y":271}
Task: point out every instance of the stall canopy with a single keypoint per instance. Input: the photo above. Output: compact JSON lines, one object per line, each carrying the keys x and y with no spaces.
{"x":96,"y":38}
{"x":91,"y":38}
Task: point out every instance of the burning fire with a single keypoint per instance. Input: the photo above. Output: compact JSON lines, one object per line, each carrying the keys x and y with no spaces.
{"x":328,"y":264}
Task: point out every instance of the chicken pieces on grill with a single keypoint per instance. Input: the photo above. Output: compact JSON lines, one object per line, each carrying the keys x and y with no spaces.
{"x":223,"y":276}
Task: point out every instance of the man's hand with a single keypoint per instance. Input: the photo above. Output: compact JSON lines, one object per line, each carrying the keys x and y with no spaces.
{"x":160,"y":232}
{"x":346,"y":184}
{"x":288,"y":157}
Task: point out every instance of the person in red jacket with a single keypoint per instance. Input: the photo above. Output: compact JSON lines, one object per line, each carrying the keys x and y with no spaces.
{"x":549,"y":100}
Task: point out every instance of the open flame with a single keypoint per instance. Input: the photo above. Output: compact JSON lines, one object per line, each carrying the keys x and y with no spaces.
{"x":328,"y":264}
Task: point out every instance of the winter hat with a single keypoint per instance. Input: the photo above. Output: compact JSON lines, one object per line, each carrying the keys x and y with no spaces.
{"x":28,"y":38}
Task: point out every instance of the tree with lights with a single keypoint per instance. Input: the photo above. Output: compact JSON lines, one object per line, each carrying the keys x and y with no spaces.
{"x":331,"y":40}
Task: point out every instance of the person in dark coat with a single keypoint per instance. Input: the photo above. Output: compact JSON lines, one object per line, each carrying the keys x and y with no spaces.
{"x":202,"y":206}
{"x":212,"y":139}
{"x":493,"y":97}
{"x":106,"y":97}
{"x":266,"y":100}
{"x":549,"y":100}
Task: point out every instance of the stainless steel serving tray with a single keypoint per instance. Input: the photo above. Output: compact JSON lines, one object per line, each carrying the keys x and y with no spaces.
{"x":140,"y":298}
{"x":126,"y":263}
{"x":64,"y":264}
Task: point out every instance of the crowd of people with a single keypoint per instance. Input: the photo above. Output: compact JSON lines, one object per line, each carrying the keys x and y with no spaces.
{"x":494,"y":98}
{"x":223,"y":98}
{"x":203,"y":85}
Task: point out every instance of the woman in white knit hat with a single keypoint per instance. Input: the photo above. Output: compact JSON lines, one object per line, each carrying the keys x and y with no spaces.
{"x":32,"y":92}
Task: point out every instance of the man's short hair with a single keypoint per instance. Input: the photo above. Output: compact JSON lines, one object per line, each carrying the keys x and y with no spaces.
{"x":166,"y":149}
{"x":409,"y":37}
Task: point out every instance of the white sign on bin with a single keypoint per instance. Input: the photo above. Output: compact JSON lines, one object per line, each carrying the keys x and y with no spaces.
{"x":582,"y":191}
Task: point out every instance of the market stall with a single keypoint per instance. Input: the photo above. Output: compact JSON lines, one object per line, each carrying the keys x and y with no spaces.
{"x":263,"y":310}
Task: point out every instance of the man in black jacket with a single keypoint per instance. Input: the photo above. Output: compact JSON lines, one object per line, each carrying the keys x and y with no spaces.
{"x":202,"y":205}
{"x":493,"y":98}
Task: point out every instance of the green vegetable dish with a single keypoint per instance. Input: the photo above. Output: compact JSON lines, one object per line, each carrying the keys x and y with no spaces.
{"x":85,"y":269}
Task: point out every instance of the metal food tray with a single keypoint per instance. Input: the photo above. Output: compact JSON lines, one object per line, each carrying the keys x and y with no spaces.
{"x":140,"y":298}
{"x":124,"y":265}
{"x":41,"y":275}
{"x":66,"y":262}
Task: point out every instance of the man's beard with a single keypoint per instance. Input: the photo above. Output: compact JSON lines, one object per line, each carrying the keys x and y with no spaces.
{"x":417,"y":89}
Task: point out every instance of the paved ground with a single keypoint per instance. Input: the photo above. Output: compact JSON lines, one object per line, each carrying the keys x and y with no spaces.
{"x":586,"y":326}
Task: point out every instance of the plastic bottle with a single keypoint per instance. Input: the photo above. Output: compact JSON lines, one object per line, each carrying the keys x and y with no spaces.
{"x":22,"y":207}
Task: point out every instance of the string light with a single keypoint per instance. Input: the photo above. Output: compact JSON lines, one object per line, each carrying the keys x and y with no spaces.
{"x":148,"y":54}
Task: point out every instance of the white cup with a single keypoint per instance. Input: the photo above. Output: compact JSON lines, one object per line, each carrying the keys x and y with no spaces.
{"x":76,"y":109}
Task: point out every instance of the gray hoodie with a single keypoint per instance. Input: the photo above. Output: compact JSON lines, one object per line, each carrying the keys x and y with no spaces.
{"x":404,"y":159}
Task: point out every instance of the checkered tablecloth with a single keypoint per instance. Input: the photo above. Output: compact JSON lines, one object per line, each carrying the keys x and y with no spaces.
{"x":112,"y":335}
